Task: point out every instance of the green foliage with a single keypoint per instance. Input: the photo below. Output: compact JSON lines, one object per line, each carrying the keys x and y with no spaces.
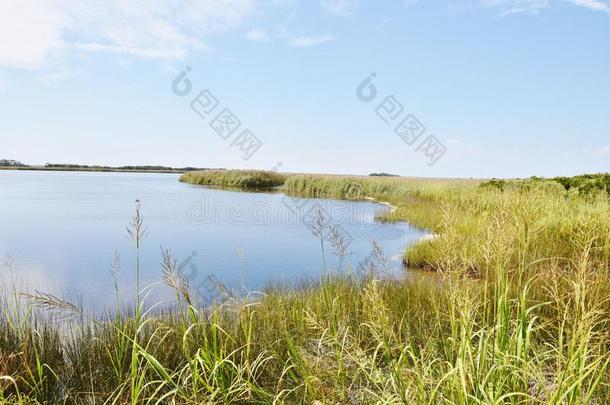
{"x":494,"y":184}
{"x":587,"y":183}
{"x":10,"y":163}
{"x":383,"y":174}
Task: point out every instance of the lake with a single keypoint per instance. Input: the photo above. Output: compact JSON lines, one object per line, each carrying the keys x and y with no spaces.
{"x":60,"y":231}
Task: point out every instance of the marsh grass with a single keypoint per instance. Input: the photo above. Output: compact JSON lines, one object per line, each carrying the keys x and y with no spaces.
{"x":518,"y":312}
{"x":252,"y":179}
{"x":541,"y":216}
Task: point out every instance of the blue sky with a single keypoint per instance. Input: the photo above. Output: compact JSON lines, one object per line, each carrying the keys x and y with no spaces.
{"x":510,"y":88}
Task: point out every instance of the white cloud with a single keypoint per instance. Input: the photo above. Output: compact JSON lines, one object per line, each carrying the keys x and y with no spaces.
{"x":287,"y":36}
{"x":30,"y":32}
{"x":257,"y":36}
{"x":508,"y":7}
{"x":604,"y":151}
{"x":139,"y":52}
{"x":592,"y":4}
{"x":52,"y":77}
{"x":306,"y":41}
{"x":33,"y":31}
{"x":341,"y":8}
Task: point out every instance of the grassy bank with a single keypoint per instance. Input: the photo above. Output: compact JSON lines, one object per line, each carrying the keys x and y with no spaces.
{"x":519,"y":312}
{"x":416,"y":200}
{"x":541,"y":215}
{"x":251,"y":179}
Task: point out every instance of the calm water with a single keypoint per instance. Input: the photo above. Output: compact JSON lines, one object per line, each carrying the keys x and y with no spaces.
{"x":61,"y":230}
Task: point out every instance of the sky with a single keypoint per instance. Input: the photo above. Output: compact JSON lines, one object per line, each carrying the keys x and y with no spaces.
{"x":485,"y":88}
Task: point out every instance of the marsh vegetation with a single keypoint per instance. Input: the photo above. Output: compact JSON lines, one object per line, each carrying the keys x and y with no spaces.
{"x":251,"y":179}
{"x":516,"y":311}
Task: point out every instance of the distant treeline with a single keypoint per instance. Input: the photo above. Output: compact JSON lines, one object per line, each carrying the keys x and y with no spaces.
{"x":142,"y":168}
{"x":382,"y":174}
{"x":583,"y":184}
{"x":11,"y":163}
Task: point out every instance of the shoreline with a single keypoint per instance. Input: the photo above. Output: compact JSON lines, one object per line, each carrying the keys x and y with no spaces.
{"x":91,"y":169}
{"x":429,"y":237}
{"x":243,"y":181}
{"x":392,"y":207}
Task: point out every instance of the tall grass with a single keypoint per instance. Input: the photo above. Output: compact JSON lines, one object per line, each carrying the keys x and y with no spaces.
{"x":518,"y":312}
{"x":235,"y":178}
{"x":541,"y":216}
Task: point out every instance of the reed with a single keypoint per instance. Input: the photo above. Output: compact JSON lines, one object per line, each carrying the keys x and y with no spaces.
{"x":252,"y":179}
{"x":542,"y":215}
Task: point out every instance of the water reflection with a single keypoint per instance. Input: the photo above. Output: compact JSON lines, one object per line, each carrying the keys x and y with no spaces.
{"x":62,"y":229}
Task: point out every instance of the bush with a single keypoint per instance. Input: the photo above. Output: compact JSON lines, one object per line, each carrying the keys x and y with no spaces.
{"x":10,"y":163}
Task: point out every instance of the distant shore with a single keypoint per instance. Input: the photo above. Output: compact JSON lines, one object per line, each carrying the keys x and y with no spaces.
{"x":101,"y":169}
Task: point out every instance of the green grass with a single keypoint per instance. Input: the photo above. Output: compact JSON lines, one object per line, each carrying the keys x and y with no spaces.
{"x":253,"y":179}
{"x":541,"y":215}
{"x":517,"y":312}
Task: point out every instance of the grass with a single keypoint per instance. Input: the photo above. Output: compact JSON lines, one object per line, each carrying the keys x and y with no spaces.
{"x":252,"y":179}
{"x":543,"y":216}
{"x":518,"y":312}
